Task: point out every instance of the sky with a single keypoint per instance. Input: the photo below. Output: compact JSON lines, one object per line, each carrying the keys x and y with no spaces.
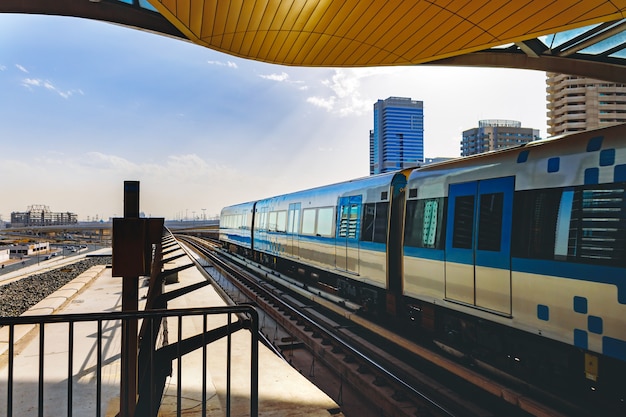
{"x":87,"y":105}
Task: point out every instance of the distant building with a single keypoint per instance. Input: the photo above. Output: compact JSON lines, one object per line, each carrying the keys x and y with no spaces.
{"x":29,"y":249}
{"x":577,"y":103}
{"x":39,"y":215}
{"x":397,"y":140}
{"x":496,"y":134}
{"x":5,"y":253}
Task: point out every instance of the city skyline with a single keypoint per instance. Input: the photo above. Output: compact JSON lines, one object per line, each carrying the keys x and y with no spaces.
{"x":87,"y":105}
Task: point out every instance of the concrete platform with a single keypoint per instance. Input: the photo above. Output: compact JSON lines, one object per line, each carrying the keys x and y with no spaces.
{"x":283,"y":391}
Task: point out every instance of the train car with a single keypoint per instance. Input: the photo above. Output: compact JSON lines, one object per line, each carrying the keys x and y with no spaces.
{"x":332,"y":237}
{"x":518,"y":259}
{"x":235,"y":231}
{"x":514,"y":259}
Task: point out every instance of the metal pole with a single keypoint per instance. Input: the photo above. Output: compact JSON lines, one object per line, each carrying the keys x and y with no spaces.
{"x":130,"y":302}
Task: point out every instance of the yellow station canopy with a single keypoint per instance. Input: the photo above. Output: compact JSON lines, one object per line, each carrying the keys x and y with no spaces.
{"x":356,"y":33}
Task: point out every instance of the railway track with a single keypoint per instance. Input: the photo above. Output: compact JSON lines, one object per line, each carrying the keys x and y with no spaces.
{"x":396,"y":377}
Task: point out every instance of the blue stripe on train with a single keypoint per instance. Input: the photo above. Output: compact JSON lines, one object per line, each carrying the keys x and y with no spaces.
{"x":592,"y":273}
{"x":584,"y":272}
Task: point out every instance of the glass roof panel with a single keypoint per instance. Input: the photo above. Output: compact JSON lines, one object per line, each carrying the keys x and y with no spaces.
{"x":142,"y":3}
{"x":613,"y":46}
{"x":619,"y":54}
{"x":606,"y":45}
{"x":557,"y":39}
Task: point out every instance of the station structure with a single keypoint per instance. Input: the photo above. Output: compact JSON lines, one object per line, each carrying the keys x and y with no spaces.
{"x":569,"y":37}
{"x":572,"y":37}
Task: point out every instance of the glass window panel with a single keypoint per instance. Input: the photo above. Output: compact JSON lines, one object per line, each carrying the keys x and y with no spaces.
{"x":353,"y":222}
{"x":325,"y":220}
{"x":463,"y":222}
{"x":296,"y":222}
{"x":263,"y":221}
{"x":534,"y":228}
{"x":561,"y":240}
{"x":429,"y":226}
{"x":490,"y":222}
{"x":290,"y":226}
{"x":424,"y":223}
{"x":367,"y":229}
{"x":272,"y":222}
{"x":411,"y":232}
{"x":598,"y":226}
{"x":308,"y":221}
{"x":146,"y":5}
{"x":380,"y":228}
{"x":281,"y":221}
{"x":343,"y":224}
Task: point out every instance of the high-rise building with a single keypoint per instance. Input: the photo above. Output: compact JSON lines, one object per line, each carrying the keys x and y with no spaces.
{"x":397,"y":140}
{"x":496,"y":134}
{"x":578,"y":103}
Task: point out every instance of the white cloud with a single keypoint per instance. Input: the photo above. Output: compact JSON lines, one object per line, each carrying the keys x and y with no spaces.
{"x":188,"y":167}
{"x":3,"y":67}
{"x":283,"y":76}
{"x":345,"y":96}
{"x":229,"y":64}
{"x":21,"y":68}
{"x":106,"y":162}
{"x":37,"y":82}
{"x":31,"y":82}
{"x":324,"y":103}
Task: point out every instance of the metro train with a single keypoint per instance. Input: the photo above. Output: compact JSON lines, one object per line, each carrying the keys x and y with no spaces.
{"x":514,"y":259}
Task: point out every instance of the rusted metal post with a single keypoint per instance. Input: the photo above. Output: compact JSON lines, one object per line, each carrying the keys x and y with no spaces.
{"x":130,"y":301}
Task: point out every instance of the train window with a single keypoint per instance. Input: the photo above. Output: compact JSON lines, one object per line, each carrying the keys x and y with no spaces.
{"x":353,"y":220}
{"x":367,"y":230}
{"x":463,"y":222}
{"x":534,"y":228}
{"x":325,"y":220}
{"x":375,"y":220}
{"x":349,"y":221}
{"x":293,"y":224}
{"x":281,"y":221}
{"x":380,"y":223}
{"x":561,"y":238}
{"x":598,"y":225}
{"x":262,"y":221}
{"x":272,"y":222}
{"x":490,"y":222}
{"x":429,"y":230}
{"x":581,"y":225}
{"x":424,"y":221}
{"x":308,"y":221}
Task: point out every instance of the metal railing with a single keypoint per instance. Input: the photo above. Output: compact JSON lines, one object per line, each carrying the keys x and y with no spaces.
{"x":69,"y":364}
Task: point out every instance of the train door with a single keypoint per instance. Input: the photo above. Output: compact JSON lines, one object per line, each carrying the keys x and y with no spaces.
{"x":478,"y":243}
{"x":293,"y":230}
{"x":348,"y":228}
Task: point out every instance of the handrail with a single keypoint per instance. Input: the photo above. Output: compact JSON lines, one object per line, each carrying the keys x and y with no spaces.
{"x":105,"y":356}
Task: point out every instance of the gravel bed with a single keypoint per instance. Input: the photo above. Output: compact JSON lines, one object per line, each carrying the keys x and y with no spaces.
{"x":18,"y":296}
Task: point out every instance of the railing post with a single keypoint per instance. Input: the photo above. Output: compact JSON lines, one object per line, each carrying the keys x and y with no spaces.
{"x":130,"y":293}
